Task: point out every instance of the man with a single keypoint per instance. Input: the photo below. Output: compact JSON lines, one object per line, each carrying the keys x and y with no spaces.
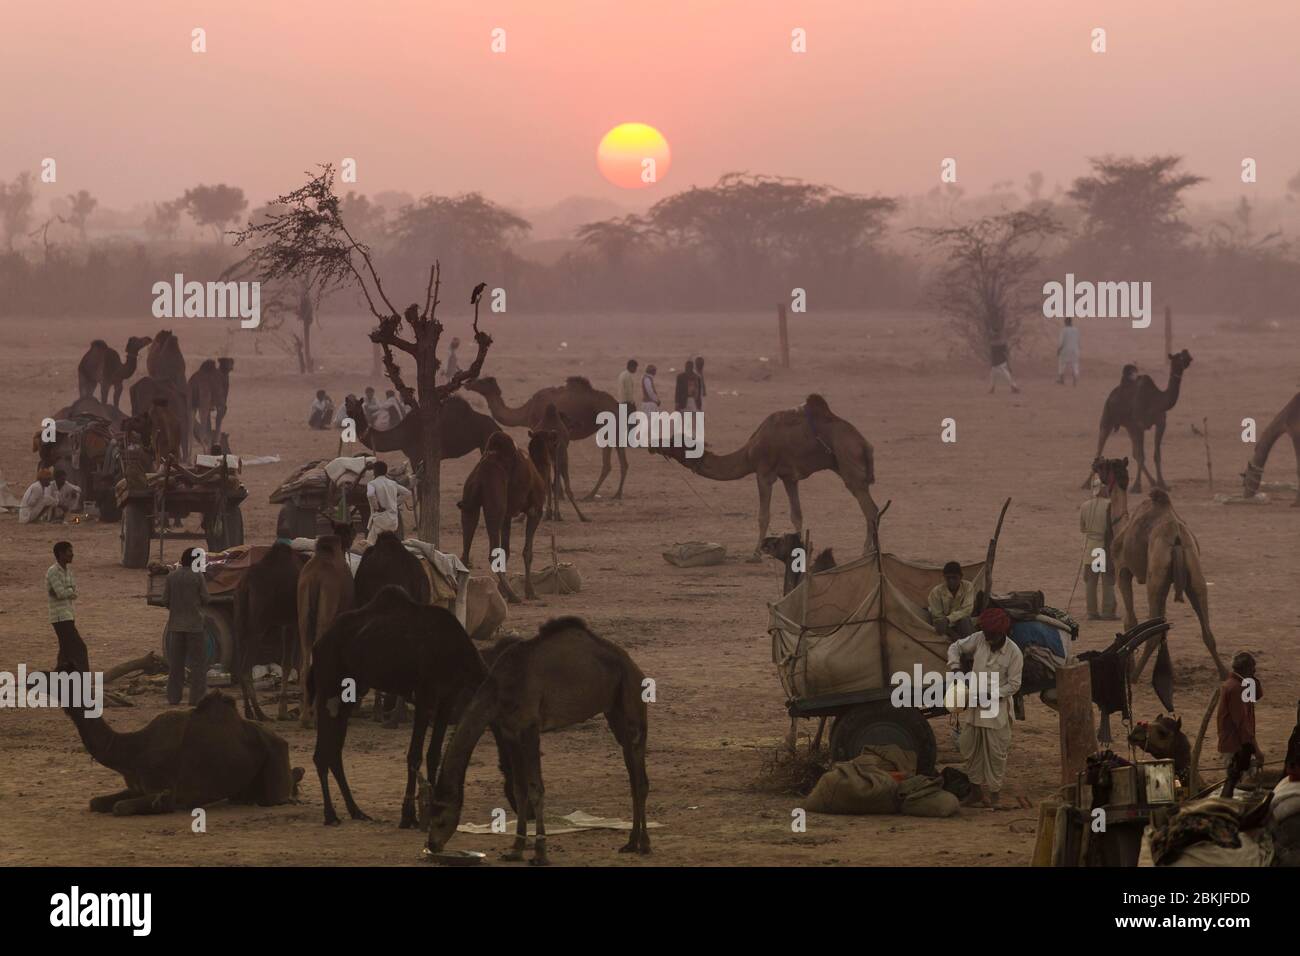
{"x":38,"y":502}
{"x":688,"y":389}
{"x":391,"y":411}
{"x":1235,"y":719}
{"x":371,"y":405}
{"x":1000,"y":360}
{"x":950,"y":604}
{"x":342,"y":413}
{"x":649,"y":397}
{"x":61,"y":590}
{"x":1067,"y":353}
{"x":184,"y":595}
{"x":322,"y":410}
{"x":627,"y":387}
{"x":985,"y":738}
{"x":1094,"y":516}
{"x":385,"y":497}
{"x":452,"y":365}
{"x":67,"y":496}
{"x":699,"y":374}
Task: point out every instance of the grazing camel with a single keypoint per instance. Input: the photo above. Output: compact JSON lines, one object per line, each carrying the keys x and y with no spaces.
{"x":325,"y":590}
{"x":576,"y":402}
{"x":399,"y":645}
{"x":101,"y":367}
{"x":1156,"y":547}
{"x":388,"y":562}
{"x":462,"y":430}
{"x":266,"y":601}
{"x":1286,"y":422}
{"x":562,"y":677}
{"x":1135,"y":405}
{"x":209,"y":391}
{"x":503,"y":484}
{"x":790,"y":445}
{"x":185,"y":758}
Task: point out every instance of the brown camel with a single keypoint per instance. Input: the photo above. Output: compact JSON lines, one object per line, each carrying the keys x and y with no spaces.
{"x":185,"y":758}
{"x":1135,"y":405}
{"x":325,"y":590}
{"x":388,"y":562}
{"x":1286,"y":422}
{"x":545,"y":451}
{"x":462,"y":430}
{"x":101,"y":367}
{"x":173,"y":415}
{"x":164,"y":359}
{"x":209,"y":389}
{"x":577,"y":402}
{"x":1163,"y":738}
{"x":503,"y":484}
{"x":266,"y":601}
{"x":1155,"y":546}
{"x":562,"y":677}
{"x":790,"y":445}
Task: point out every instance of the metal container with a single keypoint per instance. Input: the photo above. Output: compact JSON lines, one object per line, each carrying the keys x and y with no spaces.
{"x":1123,"y":786}
{"x":1157,"y":778}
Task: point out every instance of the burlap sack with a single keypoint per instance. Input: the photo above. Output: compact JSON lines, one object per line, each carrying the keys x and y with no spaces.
{"x":854,"y":786}
{"x":544,"y":580}
{"x":925,"y":797}
{"x":695,"y":554}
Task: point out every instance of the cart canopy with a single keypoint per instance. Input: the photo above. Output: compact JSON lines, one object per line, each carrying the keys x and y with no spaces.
{"x":847,"y":630}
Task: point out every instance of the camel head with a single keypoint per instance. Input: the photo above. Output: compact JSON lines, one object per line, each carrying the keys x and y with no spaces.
{"x":1160,"y":737}
{"x":781,"y":546}
{"x":1178,"y":363}
{"x":225,"y":365}
{"x":356,"y":409}
{"x":543,"y":440}
{"x":487,"y":387}
{"x":1113,"y":472}
{"x":136,"y":342}
{"x":208,"y":366}
{"x":444,"y":816}
{"x":500,"y":443}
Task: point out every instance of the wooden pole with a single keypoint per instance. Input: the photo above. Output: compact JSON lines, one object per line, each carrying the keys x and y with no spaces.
{"x":555,"y":562}
{"x":1169,"y":331}
{"x":785,"y":336}
{"x":1074,"y":708}
{"x":1209,"y":465}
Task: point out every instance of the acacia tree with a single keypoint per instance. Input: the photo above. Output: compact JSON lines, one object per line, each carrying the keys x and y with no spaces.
{"x":310,"y":239}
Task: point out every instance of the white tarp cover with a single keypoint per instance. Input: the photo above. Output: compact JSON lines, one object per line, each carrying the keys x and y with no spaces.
{"x":848,"y":629}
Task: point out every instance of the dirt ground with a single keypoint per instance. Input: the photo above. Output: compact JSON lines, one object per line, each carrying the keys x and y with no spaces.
{"x":700,"y":634}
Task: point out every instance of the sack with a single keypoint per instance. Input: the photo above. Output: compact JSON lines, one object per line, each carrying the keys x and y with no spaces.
{"x":544,"y":580}
{"x":695,"y":554}
{"x":926,"y":797}
{"x":854,"y":786}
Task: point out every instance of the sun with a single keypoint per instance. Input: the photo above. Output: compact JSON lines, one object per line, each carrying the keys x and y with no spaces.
{"x":633,"y":156}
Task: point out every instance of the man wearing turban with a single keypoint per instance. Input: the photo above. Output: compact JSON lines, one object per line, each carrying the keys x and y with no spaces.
{"x":985,"y":721}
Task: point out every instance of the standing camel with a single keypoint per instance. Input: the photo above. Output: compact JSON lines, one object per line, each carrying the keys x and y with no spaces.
{"x":543,"y":451}
{"x":1135,"y":405}
{"x":1286,"y":422}
{"x":266,"y":601}
{"x":325,"y":590}
{"x":1155,"y":546}
{"x":388,"y":562}
{"x":462,"y":430}
{"x":102,"y":367}
{"x":577,"y":402}
{"x":790,"y":445}
{"x":562,"y":677}
{"x":503,"y":484}
{"x":209,"y":389}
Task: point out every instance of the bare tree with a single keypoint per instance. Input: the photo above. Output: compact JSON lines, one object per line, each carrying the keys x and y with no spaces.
{"x":80,"y":205}
{"x":310,"y":239}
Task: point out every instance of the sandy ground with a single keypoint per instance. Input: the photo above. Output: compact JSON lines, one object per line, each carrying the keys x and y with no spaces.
{"x":701,"y":635}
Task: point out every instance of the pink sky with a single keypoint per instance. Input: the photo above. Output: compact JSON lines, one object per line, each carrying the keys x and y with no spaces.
{"x":411,"y":90}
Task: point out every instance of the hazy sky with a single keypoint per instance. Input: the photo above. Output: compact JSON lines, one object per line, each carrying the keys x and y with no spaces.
{"x":411,"y":89}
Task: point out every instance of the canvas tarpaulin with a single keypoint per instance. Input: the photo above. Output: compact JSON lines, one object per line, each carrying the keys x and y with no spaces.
{"x":850,"y":628}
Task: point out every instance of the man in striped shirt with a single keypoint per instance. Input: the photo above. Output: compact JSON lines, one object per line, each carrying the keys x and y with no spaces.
{"x":61,"y":589}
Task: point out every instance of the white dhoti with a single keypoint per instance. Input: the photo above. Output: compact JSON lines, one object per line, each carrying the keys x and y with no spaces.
{"x":1067,"y":362}
{"x":380,"y":522}
{"x":43,"y":510}
{"x":984,"y":753}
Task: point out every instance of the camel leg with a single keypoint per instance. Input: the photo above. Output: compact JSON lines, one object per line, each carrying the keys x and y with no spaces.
{"x":307,"y":713}
{"x":796,"y":510}
{"x":419,"y":727}
{"x":1295,"y":442}
{"x":605,"y":469}
{"x":499,"y":537}
{"x":341,"y":777}
{"x":1140,"y":455}
{"x":326,"y":744}
{"x":1159,"y":581}
{"x":632,"y":739}
{"x":622,"y":472}
{"x":568,"y":489}
{"x":531,"y":751}
{"x":1126,"y":592}
{"x":287,"y":642}
{"x":105,"y":803}
{"x":145,"y":804}
{"x":764,"y":514}
{"x":530,"y":529}
{"x":468,"y":525}
{"x":519,"y":775}
{"x":1201,"y":605}
{"x":1102,"y":434}
{"x":871,"y":512}
{"x":1155,"y":453}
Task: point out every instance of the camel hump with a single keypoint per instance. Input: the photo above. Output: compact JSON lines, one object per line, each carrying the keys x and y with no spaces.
{"x":212,"y":700}
{"x":817,"y":405}
{"x":1159,"y":497}
{"x":328,"y":544}
{"x":208,"y":366}
{"x":501,"y":443}
{"x":557,"y":625}
{"x":99,"y":344}
{"x":578,"y":381}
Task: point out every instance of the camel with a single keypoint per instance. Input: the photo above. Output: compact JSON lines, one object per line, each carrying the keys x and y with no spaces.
{"x":576,"y":402}
{"x":545,"y":451}
{"x":462,"y":430}
{"x":169,"y":410}
{"x":398,"y":645}
{"x":790,"y":445}
{"x":209,"y":389}
{"x":1163,"y":738}
{"x":1155,"y":546}
{"x":1135,"y":405}
{"x":563,"y":676}
{"x":325,"y":590}
{"x":266,"y":600}
{"x":388,"y":562}
{"x":101,"y":367}
{"x":782,"y":548}
{"x":1286,"y":422}
{"x":503,"y":484}
{"x":92,"y":407}
{"x":185,"y":758}
{"x":164,"y":360}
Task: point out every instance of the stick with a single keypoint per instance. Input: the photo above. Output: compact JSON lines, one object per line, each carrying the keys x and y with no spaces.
{"x":555,"y":562}
{"x":785,"y":336}
{"x":1169,"y":331}
{"x":1209,"y":466}
{"x":992,"y":553}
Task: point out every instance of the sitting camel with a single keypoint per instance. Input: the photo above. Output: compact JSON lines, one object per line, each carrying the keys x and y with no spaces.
{"x":399,"y":645}
{"x":388,"y":562}
{"x":325,"y":590}
{"x":503,"y":484}
{"x":791,"y":445}
{"x":563,"y":676}
{"x":185,"y":758}
{"x":485,"y":609}
{"x":1155,"y":546}
{"x":266,"y":601}
{"x":1285,"y":422}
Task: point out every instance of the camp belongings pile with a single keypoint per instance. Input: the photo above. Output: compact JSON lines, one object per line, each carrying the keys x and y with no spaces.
{"x":314,"y":479}
{"x":882,"y":779}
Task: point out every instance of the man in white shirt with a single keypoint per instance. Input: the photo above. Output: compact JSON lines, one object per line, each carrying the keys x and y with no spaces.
{"x":1067,"y":353}
{"x":391,"y":411}
{"x":385,"y":497}
{"x":38,"y":502}
{"x":985,"y":737}
{"x":627,"y":386}
{"x":322,"y":410}
{"x":67,"y":496}
{"x":649,"y":397}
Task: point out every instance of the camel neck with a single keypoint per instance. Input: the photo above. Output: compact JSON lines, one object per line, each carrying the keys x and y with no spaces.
{"x":1269,"y":437}
{"x":503,"y":413}
{"x":450,"y":786}
{"x":102,"y":742}
{"x":723,"y":467}
{"x":1175,"y":384}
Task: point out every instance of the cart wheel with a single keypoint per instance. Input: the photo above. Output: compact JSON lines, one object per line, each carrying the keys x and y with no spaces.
{"x":219,"y":638}
{"x":136,"y":530}
{"x":882,"y":723}
{"x":106,"y":500}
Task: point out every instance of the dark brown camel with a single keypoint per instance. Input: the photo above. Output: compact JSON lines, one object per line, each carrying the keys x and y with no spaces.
{"x":1163,"y":738}
{"x":209,"y":390}
{"x":266,"y":605}
{"x":173,"y":415}
{"x":101,"y":367}
{"x":1135,"y":405}
{"x":462,"y":430}
{"x":92,"y":407}
{"x":388,"y":562}
{"x":393,"y":644}
{"x":576,"y":401}
{"x":784,"y":548}
{"x":1285,"y":422}
{"x":185,"y":758}
{"x":164,"y":360}
{"x":325,"y":590}
{"x":503,"y":484}
{"x":562,"y":677}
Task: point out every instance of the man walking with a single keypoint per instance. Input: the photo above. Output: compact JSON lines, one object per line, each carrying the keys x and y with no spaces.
{"x":185,"y":593}
{"x":1094,"y":517}
{"x":1067,"y":353}
{"x":627,"y":387}
{"x":61,"y":590}
{"x":985,"y":739}
{"x":687,"y":398}
{"x":649,"y":397}
{"x":1235,"y":719}
{"x":385,"y":497}
{"x":1000,"y":362}
{"x":699,"y":374}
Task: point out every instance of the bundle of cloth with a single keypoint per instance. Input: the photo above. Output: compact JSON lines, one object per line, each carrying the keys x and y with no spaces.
{"x":1213,"y":831}
{"x":883,"y":779}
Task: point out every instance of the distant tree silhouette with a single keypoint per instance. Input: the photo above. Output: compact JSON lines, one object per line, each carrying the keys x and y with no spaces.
{"x":215,"y":206}
{"x":16,"y":201}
